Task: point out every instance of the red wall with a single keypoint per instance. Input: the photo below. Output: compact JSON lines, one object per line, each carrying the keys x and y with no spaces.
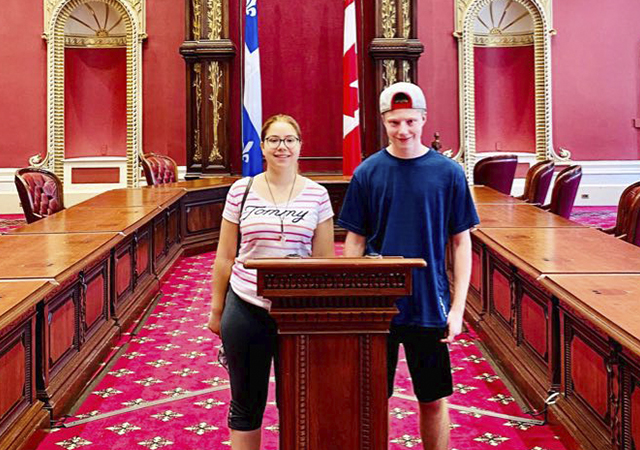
{"x":438,"y":71}
{"x":95,"y":102}
{"x":505,"y":99}
{"x":23,"y":83}
{"x":302,"y":72}
{"x":163,"y":71}
{"x":596,"y":78}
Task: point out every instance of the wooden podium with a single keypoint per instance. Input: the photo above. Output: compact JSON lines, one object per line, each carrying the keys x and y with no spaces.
{"x":333,"y":316}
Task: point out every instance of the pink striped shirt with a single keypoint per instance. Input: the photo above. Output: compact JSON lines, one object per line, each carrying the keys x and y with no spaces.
{"x":262,"y":232}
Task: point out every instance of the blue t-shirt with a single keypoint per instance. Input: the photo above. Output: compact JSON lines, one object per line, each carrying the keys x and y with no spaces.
{"x":410,"y":207}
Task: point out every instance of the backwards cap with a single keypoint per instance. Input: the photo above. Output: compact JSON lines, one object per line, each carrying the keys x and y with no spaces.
{"x":402,"y":96}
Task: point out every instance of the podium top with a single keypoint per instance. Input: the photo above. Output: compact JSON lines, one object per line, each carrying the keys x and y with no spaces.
{"x":337,"y":262}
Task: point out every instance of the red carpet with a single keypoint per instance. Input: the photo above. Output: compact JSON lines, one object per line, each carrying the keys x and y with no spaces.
{"x":165,"y":389}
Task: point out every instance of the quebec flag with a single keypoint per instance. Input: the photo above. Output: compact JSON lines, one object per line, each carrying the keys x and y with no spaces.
{"x":252,"y":101}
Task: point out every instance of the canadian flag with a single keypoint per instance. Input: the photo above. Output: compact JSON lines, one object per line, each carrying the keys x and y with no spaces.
{"x":351,"y":153}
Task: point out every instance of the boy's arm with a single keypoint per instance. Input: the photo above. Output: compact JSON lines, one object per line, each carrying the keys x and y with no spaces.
{"x":461,"y":246}
{"x":354,"y":245}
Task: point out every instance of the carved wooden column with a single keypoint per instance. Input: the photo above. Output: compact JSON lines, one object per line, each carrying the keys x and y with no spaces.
{"x":333,"y":318}
{"x":207,"y":51}
{"x":395,"y":48}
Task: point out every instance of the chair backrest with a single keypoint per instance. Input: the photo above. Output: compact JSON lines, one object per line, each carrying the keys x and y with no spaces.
{"x":159,"y":169}
{"x":537,"y":182}
{"x":40,"y":193}
{"x":565,"y":190}
{"x":624,"y":206}
{"x":633,"y":224}
{"x":497,"y":172}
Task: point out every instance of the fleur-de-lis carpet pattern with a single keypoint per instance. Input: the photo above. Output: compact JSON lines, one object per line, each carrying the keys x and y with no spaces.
{"x":163,"y":388}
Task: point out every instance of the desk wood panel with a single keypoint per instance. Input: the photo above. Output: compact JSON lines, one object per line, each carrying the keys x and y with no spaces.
{"x":562,"y":250}
{"x":20,"y":413}
{"x":99,"y":220}
{"x":486,"y":195}
{"x":520,"y":216}
{"x":51,"y":255}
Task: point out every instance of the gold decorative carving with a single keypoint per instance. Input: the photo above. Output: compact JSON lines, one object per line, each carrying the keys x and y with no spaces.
{"x":497,"y":40}
{"x":389,"y":18}
{"x":406,"y":71}
{"x":406,"y":19}
{"x":136,"y":9}
{"x":215,"y":81}
{"x":196,"y":25}
{"x":463,"y":5}
{"x":197,"y":84}
{"x":467,"y":11}
{"x":214,"y":18}
{"x":57,"y":14}
{"x":79,"y":41}
{"x":388,"y":73}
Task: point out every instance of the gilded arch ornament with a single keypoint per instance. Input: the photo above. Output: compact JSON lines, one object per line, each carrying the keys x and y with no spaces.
{"x":57,"y":13}
{"x":466,"y":13}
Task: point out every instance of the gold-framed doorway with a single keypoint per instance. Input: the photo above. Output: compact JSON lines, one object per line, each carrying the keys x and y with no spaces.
{"x":540,"y":10}
{"x":57,"y":13}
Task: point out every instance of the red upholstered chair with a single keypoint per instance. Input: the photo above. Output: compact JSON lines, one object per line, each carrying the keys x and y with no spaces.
{"x":624,"y":206}
{"x":537,"y":182}
{"x":497,"y":172}
{"x":40,"y":193}
{"x":633,"y":224}
{"x":159,"y":169}
{"x":564,"y":191}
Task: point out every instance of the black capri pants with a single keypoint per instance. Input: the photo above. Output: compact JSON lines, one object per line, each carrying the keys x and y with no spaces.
{"x":249,"y":337}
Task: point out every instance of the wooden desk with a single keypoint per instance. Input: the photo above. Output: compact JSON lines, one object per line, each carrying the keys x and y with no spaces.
{"x":20,"y":412}
{"x":519,"y":216}
{"x":562,"y":250}
{"x":123,"y":220}
{"x":599,"y":368}
{"x":137,"y":197}
{"x":52,"y":256}
{"x":486,"y":195}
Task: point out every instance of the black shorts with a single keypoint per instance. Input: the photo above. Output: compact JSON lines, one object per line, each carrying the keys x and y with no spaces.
{"x":427,"y":358}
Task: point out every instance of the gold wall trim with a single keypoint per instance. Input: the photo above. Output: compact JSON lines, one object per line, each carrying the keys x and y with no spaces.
{"x":80,"y":41}
{"x":215,"y":82}
{"x":389,"y":73}
{"x":389,"y":18}
{"x":197,"y":84}
{"x":196,"y":25}
{"x":56,"y":16}
{"x":542,"y":68}
{"x":214,"y":19}
{"x":506,"y":40}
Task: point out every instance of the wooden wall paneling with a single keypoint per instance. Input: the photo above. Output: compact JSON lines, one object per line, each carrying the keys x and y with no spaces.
{"x":207,"y":51}
{"x":20,"y":413}
{"x":394,"y":49}
{"x":589,"y":384}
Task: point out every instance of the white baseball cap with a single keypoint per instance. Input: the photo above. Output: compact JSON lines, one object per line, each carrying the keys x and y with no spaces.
{"x":402,"y":96}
